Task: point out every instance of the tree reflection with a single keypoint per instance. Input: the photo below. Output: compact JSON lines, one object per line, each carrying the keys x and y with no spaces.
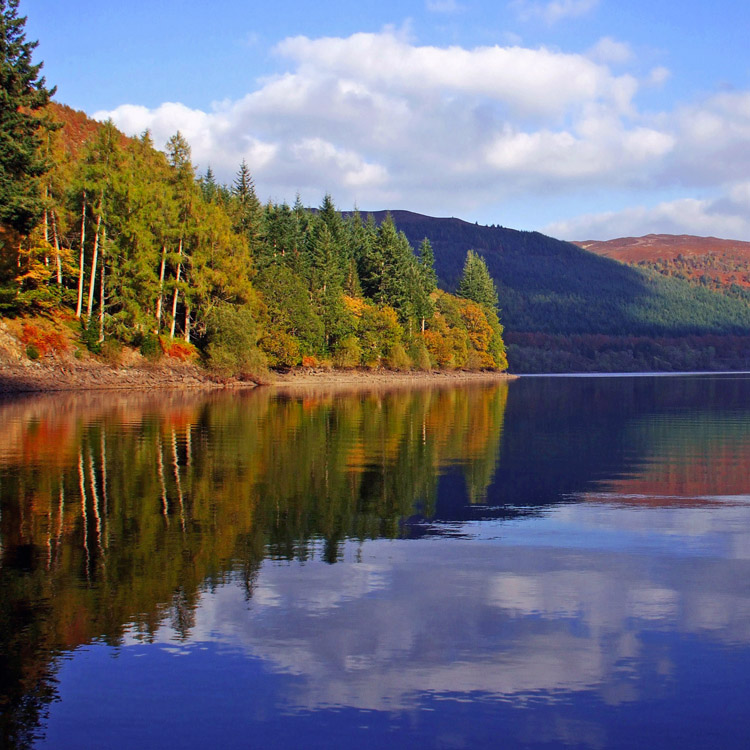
{"x":117,"y":510}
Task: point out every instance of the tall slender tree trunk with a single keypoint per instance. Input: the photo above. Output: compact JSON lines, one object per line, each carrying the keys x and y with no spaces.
{"x":101,"y":291}
{"x":187,"y":323}
{"x":56,"y":239}
{"x":176,"y":289}
{"x":46,"y":225}
{"x":160,"y":301}
{"x":80,"y":258}
{"x":95,"y":257}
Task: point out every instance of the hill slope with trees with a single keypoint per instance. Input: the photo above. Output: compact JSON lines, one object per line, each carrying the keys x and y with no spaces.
{"x":567,"y":308}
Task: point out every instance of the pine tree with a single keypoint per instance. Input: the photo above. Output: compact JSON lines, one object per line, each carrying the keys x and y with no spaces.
{"x":476,"y":283}
{"x":22,"y":92}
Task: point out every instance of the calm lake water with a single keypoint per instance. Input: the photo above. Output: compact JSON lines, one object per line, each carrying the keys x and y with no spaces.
{"x":549,"y":563}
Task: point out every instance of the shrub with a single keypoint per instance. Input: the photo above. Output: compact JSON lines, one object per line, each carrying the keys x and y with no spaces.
{"x":90,"y":335}
{"x":44,"y":342}
{"x":419,"y":355}
{"x":32,"y":352}
{"x":150,"y":347}
{"x":281,"y":348}
{"x":178,"y":349}
{"x":348,"y":353}
{"x":309,"y":361}
{"x":232,"y":348}
{"x":112,"y":351}
{"x":398,"y":359}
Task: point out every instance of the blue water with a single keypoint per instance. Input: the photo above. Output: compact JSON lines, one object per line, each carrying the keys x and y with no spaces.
{"x":546,"y":564}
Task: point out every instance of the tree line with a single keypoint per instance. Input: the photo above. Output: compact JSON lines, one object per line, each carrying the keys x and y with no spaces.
{"x":141,"y":250}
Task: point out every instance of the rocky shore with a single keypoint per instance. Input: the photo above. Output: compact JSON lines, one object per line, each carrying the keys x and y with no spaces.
{"x":92,"y":375}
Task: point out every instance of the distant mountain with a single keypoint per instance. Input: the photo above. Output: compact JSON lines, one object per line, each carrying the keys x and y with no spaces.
{"x":550,"y":286}
{"x":716,"y":263}
{"x":566,"y":308}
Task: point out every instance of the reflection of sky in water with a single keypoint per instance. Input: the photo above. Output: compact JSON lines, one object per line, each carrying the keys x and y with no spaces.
{"x":597,"y":595}
{"x":585,"y":606}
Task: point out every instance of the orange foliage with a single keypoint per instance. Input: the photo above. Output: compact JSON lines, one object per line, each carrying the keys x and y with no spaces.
{"x":178,"y":349}
{"x":46,"y":342}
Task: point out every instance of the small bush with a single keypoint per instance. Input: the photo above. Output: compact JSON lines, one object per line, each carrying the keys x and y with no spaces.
{"x":112,"y":351}
{"x":90,"y":335}
{"x":348,"y":353}
{"x":178,"y":349}
{"x":44,"y":342}
{"x":310,"y":362}
{"x":281,"y":349}
{"x":32,"y":352}
{"x":398,"y":359}
{"x":150,"y":347}
{"x":232,"y":348}
{"x":420,"y":356}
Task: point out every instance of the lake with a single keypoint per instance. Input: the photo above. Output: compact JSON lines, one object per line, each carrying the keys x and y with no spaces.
{"x":543,"y":563}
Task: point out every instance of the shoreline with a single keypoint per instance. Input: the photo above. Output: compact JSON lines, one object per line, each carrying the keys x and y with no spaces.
{"x":67,"y":377}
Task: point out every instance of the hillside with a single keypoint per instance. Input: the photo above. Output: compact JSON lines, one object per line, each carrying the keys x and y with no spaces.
{"x":567,"y":308}
{"x":555,"y":287}
{"x":721,"y":265}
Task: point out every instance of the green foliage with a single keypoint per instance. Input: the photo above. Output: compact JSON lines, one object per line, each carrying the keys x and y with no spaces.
{"x":419,"y":354}
{"x":32,"y":352}
{"x":90,"y":334}
{"x":398,"y":359}
{"x":476,"y":283}
{"x":22,"y":94}
{"x":150,"y":347}
{"x":232,"y":349}
{"x":348,"y":353}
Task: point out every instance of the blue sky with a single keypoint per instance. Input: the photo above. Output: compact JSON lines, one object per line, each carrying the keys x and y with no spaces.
{"x":587,"y":119}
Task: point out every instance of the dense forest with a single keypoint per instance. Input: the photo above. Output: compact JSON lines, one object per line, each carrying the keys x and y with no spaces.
{"x":126,"y":245}
{"x":567,"y":309}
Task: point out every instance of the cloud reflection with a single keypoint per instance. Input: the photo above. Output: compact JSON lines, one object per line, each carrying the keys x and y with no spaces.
{"x":506,"y":618}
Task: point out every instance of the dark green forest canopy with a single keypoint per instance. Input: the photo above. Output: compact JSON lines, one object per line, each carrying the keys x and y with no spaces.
{"x":550,"y":286}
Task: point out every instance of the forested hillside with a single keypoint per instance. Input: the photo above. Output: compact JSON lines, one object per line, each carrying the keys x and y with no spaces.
{"x":720,"y":265}
{"x":127,"y":245}
{"x":569,"y":309}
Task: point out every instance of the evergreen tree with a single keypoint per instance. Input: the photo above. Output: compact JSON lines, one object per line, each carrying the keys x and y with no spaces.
{"x":22,"y":92}
{"x":209,"y":187}
{"x":427,"y":266}
{"x":247,"y":211}
{"x":476,"y":283}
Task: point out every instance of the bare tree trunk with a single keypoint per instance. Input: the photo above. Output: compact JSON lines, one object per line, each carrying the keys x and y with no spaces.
{"x":176,"y":290}
{"x":46,"y":229}
{"x":95,"y":257}
{"x":101,"y":291}
{"x":56,"y":238}
{"x":187,"y":324}
{"x":160,"y":301}
{"x":80,"y":259}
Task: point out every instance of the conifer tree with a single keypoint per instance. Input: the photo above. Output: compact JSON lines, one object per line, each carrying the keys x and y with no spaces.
{"x":476,"y":283}
{"x":22,"y":93}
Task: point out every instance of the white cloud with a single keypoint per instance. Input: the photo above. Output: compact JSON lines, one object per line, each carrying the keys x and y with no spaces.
{"x":374,"y":117}
{"x":659,"y":76}
{"x":609,"y":50}
{"x":382,"y":121}
{"x":554,"y":11}
{"x":727,"y":216}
